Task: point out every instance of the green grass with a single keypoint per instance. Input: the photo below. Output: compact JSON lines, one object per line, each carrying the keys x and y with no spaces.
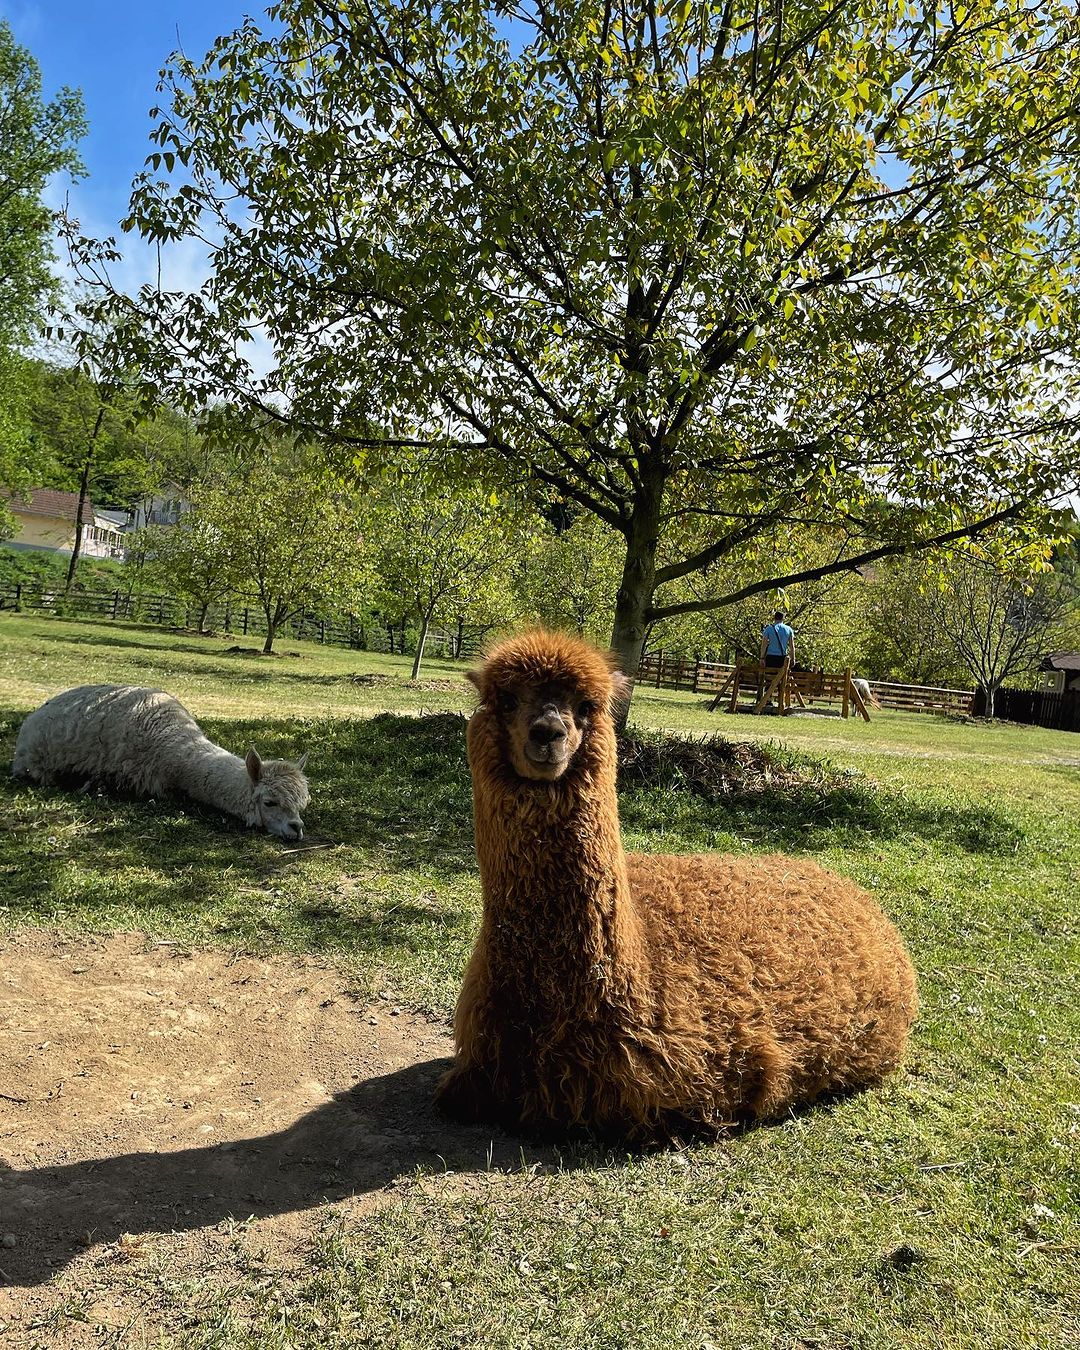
{"x":939,"y":1212}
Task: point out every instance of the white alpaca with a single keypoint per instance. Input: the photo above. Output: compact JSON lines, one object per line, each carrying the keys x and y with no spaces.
{"x":146,"y":742}
{"x":865,"y":692}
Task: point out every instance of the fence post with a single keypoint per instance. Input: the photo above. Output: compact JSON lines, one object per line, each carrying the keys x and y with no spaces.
{"x":18,"y":595}
{"x":228,"y":614}
{"x":245,"y":620}
{"x":115,"y":602}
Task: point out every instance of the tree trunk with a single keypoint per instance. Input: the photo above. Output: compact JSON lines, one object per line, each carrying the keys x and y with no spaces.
{"x":84,"y":492}
{"x":638,"y":583}
{"x":425,"y":624}
{"x":271,"y":632}
{"x":991,"y":690}
{"x":202,"y":616}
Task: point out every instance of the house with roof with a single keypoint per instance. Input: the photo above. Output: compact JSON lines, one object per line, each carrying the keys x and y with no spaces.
{"x":164,"y":507}
{"x":46,"y":518}
{"x":1060,"y":671}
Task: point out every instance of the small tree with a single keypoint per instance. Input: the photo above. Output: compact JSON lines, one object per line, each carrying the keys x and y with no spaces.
{"x":440,"y":549}
{"x":290,"y":533}
{"x":192,"y":557}
{"x":568,"y":577}
{"x":998,"y":622}
{"x":903,"y":635}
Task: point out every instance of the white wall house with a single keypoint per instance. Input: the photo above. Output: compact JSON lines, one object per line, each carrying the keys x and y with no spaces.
{"x":45,"y":519}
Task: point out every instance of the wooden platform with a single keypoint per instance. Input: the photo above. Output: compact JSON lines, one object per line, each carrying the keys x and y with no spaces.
{"x":789,"y":689}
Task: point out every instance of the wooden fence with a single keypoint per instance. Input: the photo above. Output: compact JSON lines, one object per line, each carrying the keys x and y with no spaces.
{"x":790,"y":689}
{"x":681,"y":672}
{"x":239,"y":617}
{"x":663,"y":671}
{"x":1036,"y":707}
{"x":921,"y":697}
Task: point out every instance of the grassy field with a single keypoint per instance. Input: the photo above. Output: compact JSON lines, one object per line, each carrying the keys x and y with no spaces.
{"x":939,"y":1212}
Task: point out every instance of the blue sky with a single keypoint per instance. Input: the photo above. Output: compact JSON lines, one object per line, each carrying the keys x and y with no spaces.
{"x":112,"y":50}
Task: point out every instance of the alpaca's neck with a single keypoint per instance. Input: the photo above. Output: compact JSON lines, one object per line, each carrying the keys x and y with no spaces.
{"x":212,"y":775}
{"x":554,"y":878}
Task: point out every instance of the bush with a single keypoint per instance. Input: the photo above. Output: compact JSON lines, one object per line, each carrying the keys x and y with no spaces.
{"x":37,"y":567}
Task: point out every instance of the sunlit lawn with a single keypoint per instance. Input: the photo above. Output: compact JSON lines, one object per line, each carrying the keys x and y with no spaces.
{"x":940,"y":1211}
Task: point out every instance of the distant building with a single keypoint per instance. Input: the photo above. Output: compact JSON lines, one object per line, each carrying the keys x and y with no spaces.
{"x":45,"y":519}
{"x":164,"y":508}
{"x":1060,"y":671}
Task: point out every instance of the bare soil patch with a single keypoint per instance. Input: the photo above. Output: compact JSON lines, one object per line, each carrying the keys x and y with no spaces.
{"x":155,"y":1096}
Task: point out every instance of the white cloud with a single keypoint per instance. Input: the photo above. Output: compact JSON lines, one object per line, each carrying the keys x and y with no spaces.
{"x":183,"y":267}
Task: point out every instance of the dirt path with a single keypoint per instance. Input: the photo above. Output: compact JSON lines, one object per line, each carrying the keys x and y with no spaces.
{"x":148,"y":1089}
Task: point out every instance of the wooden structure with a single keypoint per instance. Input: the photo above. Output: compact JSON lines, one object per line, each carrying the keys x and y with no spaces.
{"x":790,"y":688}
{"x":922,"y":698}
{"x":661,"y":670}
{"x":664,"y":671}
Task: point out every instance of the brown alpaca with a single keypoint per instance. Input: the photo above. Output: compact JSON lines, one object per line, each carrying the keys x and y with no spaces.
{"x":643,"y":997}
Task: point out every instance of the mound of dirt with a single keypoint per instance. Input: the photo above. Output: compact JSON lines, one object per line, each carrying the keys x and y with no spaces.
{"x":381,"y":681}
{"x":152,"y":1094}
{"x":711,"y":766}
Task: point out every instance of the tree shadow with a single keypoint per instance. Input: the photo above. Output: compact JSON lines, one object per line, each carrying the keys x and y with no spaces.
{"x":808,"y":818}
{"x":249,"y":662}
{"x":131,"y":644}
{"x":382,"y":1129}
{"x":398,"y":787}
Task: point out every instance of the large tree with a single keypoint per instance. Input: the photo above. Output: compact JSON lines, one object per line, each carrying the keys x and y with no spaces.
{"x":702,"y":269}
{"x":37,"y":141}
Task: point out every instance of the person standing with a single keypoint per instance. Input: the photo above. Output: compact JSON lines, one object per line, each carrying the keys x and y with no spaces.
{"x":777,"y":642}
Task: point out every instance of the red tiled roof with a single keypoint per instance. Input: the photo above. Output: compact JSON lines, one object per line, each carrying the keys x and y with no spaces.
{"x":49,"y":502}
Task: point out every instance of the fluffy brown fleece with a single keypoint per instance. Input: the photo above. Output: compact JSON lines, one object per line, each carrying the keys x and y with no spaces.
{"x":645,"y":997}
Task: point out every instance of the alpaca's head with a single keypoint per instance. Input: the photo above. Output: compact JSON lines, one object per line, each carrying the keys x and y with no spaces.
{"x":279,"y":792}
{"x":547,"y":695}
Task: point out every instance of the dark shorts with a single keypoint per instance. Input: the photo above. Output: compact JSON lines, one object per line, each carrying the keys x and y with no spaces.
{"x":771,"y":662}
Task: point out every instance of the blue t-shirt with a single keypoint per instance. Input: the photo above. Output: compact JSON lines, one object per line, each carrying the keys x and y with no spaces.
{"x":777,"y":635}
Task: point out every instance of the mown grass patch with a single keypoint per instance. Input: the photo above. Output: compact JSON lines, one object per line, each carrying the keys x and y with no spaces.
{"x":938,"y":1212}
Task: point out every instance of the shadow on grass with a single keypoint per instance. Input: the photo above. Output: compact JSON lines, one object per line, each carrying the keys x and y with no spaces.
{"x":386,"y":805}
{"x":397,"y":789}
{"x":236,"y":659}
{"x":364,"y":1139}
{"x":111,"y":640}
{"x":805,"y":819}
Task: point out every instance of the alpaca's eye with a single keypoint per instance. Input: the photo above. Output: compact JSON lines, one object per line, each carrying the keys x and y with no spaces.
{"x":268,"y":802}
{"x":507,"y":702}
{"x":587,"y":708}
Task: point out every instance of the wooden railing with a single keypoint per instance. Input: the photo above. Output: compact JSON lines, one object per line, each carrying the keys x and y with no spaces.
{"x":662,"y":671}
{"x":789,"y":690}
{"x":681,"y":672}
{"x":921,"y":697}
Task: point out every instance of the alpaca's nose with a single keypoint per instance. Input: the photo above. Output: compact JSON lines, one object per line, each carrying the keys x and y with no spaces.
{"x":297,"y":827}
{"x":547,"y":730}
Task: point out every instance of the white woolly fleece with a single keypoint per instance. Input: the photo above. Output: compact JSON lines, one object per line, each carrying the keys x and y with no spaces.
{"x":146,"y":742}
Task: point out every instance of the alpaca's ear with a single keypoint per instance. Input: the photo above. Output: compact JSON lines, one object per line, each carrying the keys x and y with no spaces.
{"x":622,"y":686}
{"x":473,"y":676}
{"x":253,"y":765}
{"x":302,"y":761}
